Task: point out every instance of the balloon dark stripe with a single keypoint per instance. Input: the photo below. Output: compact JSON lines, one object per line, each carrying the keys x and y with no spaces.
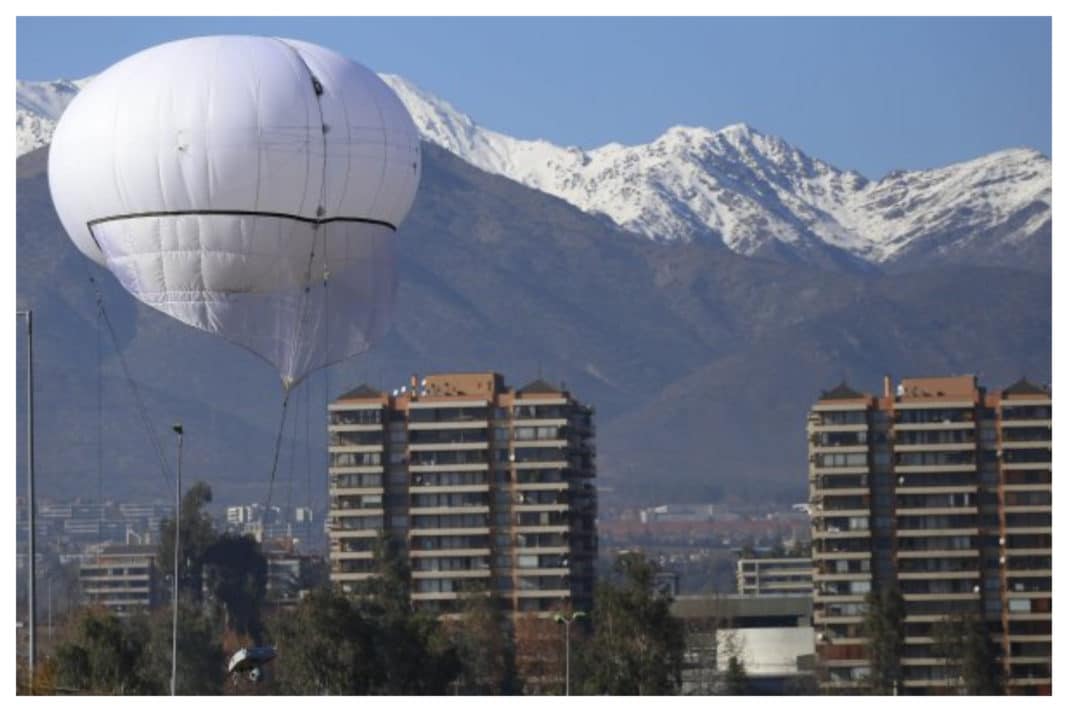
{"x":242,"y":213}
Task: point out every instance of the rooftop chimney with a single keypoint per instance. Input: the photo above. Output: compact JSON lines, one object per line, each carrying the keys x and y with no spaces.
{"x":887,"y":389}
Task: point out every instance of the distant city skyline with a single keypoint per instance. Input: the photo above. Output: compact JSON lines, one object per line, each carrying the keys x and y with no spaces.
{"x":870,"y":94}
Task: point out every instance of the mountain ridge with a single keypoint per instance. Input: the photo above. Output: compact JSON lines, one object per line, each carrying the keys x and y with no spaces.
{"x":754,"y":193}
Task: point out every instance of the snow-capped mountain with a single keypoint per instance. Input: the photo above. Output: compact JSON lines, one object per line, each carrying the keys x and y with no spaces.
{"x":38,"y":106}
{"x":755,"y":193}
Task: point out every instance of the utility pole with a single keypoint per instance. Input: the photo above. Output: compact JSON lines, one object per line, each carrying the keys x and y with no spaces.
{"x":567,"y":621}
{"x":177,"y":428}
{"x":28,"y":313}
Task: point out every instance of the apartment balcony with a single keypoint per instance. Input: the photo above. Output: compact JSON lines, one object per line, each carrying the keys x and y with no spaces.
{"x":450,"y":467}
{"x":1028,"y":509}
{"x":355,"y":427}
{"x":109,"y":591}
{"x":826,"y":598}
{"x":934,"y":447}
{"x":356,"y":512}
{"x":542,"y":507}
{"x":824,"y":492}
{"x":540,"y":464}
{"x":450,"y":531}
{"x":937,"y":553}
{"x":1026,"y":444}
{"x":351,"y":575}
{"x":101,"y":578}
{"x":348,"y":555}
{"x":822,"y":511}
{"x":1046,"y":465}
{"x":935,"y":467}
{"x":438,"y":553}
{"x":436,"y":596}
{"x":335,"y":533}
{"x":820,"y":619}
{"x":339,"y":449}
{"x":859,"y":449}
{"x":921,"y":511}
{"x":448,"y":447}
{"x":936,"y":575}
{"x":1026,"y":423}
{"x":837,"y":535}
{"x":840,"y":555}
{"x":447,"y":509}
{"x":1017,"y":551}
{"x":448,"y":424}
{"x":1027,"y":487}
{"x":541,"y":528}
{"x":532,"y":550}
{"x":940,"y":425}
{"x":970,"y":488}
{"x":538,"y":442}
{"x":453,"y":574}
{"x":542,"y":486}
{"x":841,"y":576}
{"x":956,"y":596}
{"x":354,"y":491}
{"x":849,"y":427}
{"x":415,"y":489}
{"x":815,"y":470}
{"x":546,"y":593}
{"x":554,"y":571}
{"x":355,"y":470}
{"x":924,"y":533}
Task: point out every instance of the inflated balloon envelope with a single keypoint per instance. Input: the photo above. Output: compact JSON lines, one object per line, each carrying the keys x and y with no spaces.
{"x":247,"y":186}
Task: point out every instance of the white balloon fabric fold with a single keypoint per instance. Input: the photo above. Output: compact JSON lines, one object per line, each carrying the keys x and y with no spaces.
{"x":247,"y":186}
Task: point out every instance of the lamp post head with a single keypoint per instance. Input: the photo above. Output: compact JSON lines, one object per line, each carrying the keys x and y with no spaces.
{"x":177,"y":427}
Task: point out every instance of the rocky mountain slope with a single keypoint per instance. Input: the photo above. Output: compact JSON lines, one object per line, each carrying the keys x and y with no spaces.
{"x":701,"y":362}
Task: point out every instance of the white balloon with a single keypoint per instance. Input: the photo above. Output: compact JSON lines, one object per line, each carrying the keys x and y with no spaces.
{"x":247,"y":186}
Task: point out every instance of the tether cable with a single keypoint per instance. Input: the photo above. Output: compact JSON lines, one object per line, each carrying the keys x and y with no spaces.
{"x":142,"y":409}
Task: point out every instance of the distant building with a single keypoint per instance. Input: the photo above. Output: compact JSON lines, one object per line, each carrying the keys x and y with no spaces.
{"x":771,"y":636}
{"x":759,"y":576}
{"x":290,"y":575}
{"x":943,"y":490}
{"x":121,"y":578}
{"x":482,"y":485}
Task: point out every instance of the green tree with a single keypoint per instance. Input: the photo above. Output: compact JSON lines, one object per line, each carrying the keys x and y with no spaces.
{"x":102,"y":654}
{"x":416,"y":654}
{"x":201,"y":660}
{"x":969,"y":655}
{"x":235,"y":571}
{"x":198,"y":535}
{"x":325,"y":647}
{"x":486,"y":645}
{"x":637,"y":646}
{"x":367,"y":642}
{"x":884,"y":627}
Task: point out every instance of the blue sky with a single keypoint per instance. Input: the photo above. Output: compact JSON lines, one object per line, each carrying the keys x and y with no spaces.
{"x":873,"y":94}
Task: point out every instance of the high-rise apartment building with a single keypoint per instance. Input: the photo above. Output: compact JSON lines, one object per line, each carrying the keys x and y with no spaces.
{"x":940,"y":489}
{"x":484,"y":486}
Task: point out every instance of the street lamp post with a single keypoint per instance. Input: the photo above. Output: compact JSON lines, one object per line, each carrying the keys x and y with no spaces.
{"x":32,"y":558}
{"x":566,"y":621}
{"x":177,"y":543}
